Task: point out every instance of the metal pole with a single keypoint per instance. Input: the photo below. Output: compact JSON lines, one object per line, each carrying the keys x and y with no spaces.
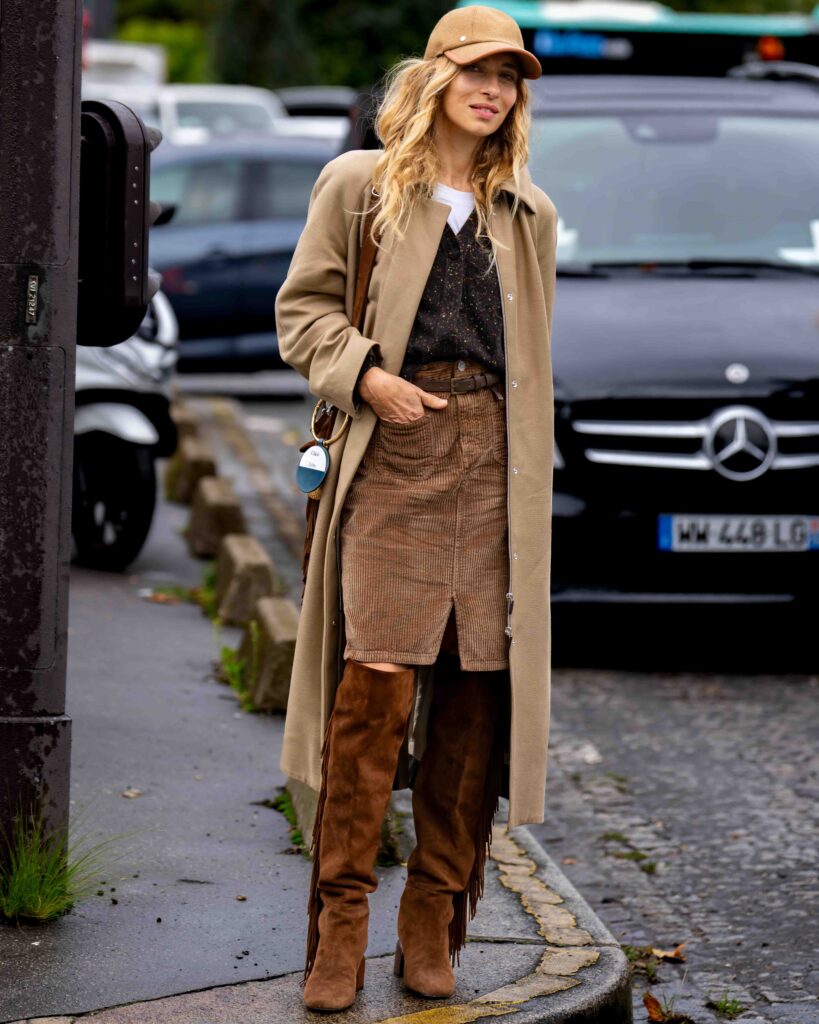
{"x":39,"y":189}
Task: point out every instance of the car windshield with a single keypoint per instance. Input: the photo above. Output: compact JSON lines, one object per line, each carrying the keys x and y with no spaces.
{"x":680,"y":187}
{"x":224,"y":118}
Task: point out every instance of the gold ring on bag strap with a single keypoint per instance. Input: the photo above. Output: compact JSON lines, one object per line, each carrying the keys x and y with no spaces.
{"x":345,"y":426}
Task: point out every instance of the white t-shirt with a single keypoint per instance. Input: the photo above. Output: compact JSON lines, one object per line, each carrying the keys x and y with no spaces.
{"x":462,"y":203}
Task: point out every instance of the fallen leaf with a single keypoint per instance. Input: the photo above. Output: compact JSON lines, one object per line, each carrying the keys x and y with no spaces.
{"x":675,"y":954}
{"x":131,"y":792}
{"x":159,"y":597}
{"x":652,"y":1004}
{"x":569,"y":860}
{"x":241,"y":898}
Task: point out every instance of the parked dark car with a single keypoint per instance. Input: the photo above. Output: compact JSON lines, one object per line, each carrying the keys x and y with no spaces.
{"x":686,"y":337}
{"x":240,"y":208}
{"x":317,"y":100}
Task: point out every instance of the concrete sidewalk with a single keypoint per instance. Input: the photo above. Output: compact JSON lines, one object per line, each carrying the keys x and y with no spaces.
{"x":202,"y":920}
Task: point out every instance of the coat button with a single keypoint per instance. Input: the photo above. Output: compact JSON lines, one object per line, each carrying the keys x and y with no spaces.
{"x":515,"y":470}
{"x":514,"y":383}
{"x":515,"y":556}
{"x":508,"y":631}
{"x":509,"y":295}
{"x":461,"y":364}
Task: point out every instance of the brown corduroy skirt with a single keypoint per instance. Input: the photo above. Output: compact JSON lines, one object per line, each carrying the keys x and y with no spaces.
{"x":424,"y":532}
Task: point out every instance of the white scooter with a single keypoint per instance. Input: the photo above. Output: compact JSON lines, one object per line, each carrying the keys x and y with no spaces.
{"x":122,"y":424}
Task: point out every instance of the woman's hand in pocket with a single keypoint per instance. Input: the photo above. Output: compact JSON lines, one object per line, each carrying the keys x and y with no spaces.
{"x":395,"y":400}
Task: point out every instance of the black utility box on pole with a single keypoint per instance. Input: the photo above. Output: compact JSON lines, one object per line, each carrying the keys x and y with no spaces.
{"x":39,"y":192}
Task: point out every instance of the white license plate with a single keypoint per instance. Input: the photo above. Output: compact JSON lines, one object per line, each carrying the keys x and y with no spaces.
{"x":737,"y":533}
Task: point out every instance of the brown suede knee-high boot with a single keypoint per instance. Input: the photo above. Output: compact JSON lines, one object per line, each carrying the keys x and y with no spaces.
{"x":454,"y":801}
{"x":359,"y":759}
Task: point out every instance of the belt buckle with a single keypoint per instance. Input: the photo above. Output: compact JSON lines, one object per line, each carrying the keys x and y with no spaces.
{"x":452,"y":382}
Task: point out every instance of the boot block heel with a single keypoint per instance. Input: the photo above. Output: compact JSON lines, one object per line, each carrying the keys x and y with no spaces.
{"x":398,"y":963}
{"x":359,"y":978}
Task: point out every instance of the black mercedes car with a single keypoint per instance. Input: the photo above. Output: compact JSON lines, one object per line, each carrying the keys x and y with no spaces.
{"x":685,"y":336}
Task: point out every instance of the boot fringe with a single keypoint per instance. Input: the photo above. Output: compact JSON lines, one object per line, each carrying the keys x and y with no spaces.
{"x":465,"y":903}
{"x":314,"y":901}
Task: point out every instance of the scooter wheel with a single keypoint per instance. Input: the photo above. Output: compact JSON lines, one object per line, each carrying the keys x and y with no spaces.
{"x":113,"y":502}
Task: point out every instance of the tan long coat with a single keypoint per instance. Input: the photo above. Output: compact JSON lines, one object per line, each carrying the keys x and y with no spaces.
{"x":313,"y":311}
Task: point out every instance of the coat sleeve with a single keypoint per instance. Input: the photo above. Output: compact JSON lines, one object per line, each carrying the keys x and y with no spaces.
{"x":546,"y":252}
{"x":315,"y":335}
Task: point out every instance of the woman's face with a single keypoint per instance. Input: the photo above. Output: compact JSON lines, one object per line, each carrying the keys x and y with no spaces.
{"x":480,"y":96}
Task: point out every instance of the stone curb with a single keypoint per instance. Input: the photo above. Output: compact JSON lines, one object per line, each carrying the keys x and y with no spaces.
{"x":603,"y":995}
{"x":193,"y":459}
{"x":215,"y":512}
{"x":185,"y":420}
{"x":267,"y":647}
{"x":244,"y":573}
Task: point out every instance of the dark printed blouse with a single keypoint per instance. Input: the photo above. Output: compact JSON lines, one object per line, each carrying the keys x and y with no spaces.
{"x":460,"y":314}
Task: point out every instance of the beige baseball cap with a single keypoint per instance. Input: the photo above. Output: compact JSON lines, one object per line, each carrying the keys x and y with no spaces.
{"x":469,"y":33}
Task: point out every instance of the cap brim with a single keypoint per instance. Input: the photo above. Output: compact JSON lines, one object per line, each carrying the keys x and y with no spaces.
{"x":474,"y":51}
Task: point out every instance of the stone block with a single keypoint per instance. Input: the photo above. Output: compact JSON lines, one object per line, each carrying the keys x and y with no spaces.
{"x":215,"y":513}
{"x":185,"y":419}
{"x":267,"y":646}
{"x":244,"y":573}
{"x":193,"y":460}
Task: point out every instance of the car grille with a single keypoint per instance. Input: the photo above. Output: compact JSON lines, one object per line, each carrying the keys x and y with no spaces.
{"x":739,"y":441}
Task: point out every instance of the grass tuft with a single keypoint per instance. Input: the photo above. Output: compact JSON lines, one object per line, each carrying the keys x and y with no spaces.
{"x":614,"y":837}
{"x":43,"y":875}
{"x":233,"y":670}
{"x":726,"y":1006}
{"x":283,"y":803}
{"x":205,"y":594}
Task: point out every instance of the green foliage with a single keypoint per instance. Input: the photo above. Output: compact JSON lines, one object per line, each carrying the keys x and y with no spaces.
{"x":42,"y":875}
{"x":726,"y":1006}
{"x":283,"y":803}
{"x":642,"y":961}
{"x":184,"y":41}
{"x":311,"y":42}
{"x":355,"y":42}
{"x":256,"y":42}
{"x":201,"y":11}
{"x":205,"y":595}
{"x":239,"y":670}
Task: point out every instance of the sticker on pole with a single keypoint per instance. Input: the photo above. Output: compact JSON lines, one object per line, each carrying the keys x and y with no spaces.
{"x":312,"y":468}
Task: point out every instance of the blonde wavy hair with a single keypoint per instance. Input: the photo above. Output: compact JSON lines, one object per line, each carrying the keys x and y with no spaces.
{"x":408,"y":168}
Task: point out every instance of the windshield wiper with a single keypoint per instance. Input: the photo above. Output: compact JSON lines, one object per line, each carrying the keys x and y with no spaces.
{"x":707,"y":263}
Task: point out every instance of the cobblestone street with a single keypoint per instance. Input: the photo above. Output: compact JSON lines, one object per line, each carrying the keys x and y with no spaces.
{"x":682,"y":804}
{"x":684,"y":809}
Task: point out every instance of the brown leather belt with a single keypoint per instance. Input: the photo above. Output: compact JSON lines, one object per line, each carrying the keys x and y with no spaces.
{"x":460,"y":385}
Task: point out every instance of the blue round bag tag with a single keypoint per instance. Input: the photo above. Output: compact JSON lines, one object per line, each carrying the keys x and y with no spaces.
{"x":312,"y":469}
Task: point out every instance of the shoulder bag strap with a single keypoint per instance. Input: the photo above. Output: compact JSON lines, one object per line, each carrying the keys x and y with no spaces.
{"x":365,"y":271}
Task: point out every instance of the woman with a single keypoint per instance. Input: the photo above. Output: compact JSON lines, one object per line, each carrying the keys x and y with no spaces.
{"x":428,"y":586}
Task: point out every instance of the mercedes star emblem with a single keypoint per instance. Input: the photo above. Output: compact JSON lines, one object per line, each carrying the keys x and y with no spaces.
{"x":740,"y":443}
{"x":737,"y":373}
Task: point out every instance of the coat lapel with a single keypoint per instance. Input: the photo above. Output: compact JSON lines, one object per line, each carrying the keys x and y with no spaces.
{"x":408,"y":265}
